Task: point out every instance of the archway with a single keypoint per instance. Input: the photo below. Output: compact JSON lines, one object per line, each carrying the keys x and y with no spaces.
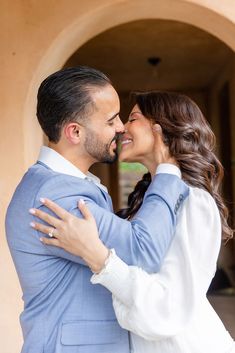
{"x":102,"y":18}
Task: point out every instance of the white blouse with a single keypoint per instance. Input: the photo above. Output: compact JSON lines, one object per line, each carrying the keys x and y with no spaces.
{"x":168,"y":312}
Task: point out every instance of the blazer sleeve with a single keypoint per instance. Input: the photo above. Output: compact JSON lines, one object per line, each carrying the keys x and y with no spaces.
{"x":143,"y":241}
{"x":157,"y":306}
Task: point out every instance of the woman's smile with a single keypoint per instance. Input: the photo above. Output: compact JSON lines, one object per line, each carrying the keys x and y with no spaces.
{"x":125,"y":141}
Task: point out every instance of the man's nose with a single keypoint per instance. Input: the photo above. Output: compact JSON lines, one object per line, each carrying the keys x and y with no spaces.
{"x":120,"y":126}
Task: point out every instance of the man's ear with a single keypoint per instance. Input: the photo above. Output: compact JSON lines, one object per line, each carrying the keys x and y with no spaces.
{"x":72,"y":132}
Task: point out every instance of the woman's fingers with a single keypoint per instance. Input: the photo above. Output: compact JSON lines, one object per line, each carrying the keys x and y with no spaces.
{"x":49,"y":241}
{"x":85,"y":210}
{"x":52,"y":232}
{"x":45,"y":217}
{"x":59,"y":211}
{"x":157,"y":128}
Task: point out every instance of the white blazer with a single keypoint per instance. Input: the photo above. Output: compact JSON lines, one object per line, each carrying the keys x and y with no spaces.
{"x":168,"y":312}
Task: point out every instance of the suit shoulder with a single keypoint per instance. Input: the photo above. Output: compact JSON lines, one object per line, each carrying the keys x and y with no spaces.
{"x":60,"y":186}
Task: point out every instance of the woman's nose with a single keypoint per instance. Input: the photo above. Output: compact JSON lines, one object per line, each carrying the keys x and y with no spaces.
{"x":126,"y":127}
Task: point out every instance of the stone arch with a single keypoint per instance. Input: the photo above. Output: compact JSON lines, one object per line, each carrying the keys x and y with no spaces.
{"x":101,"y":18}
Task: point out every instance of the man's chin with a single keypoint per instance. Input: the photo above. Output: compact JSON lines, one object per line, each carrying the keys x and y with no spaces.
{"x":111,"y":158}
{"x":114,"y":156}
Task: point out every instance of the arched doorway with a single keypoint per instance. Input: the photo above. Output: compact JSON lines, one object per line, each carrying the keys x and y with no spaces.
{"x":211,"y":18}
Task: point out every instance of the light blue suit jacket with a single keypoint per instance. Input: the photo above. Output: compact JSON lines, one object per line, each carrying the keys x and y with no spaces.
{"x":63,"y":311}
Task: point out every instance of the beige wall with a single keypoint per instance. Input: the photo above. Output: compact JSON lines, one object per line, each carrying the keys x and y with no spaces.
{"x":37,"y":38}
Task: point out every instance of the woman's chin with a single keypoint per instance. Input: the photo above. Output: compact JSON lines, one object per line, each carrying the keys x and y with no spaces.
{"x":124,"y":157}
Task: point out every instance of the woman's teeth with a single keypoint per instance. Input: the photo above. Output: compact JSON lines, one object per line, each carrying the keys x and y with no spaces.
{"x":125,"y":142}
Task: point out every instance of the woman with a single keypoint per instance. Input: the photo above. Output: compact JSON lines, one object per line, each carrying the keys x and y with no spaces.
{"x":167,"y":312}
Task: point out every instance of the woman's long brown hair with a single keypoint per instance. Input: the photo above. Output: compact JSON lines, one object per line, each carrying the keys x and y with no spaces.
{"x":191,"y":142}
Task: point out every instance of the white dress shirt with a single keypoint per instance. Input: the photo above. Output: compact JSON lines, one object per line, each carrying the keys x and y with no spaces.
{"x":59,"y":164}
{"x":168,"y":312}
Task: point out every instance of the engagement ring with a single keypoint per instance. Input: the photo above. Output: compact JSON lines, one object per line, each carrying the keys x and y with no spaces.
{"x":51,"y":233}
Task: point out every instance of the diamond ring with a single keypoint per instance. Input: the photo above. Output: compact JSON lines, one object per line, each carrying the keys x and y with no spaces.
{"x":51,"y":233}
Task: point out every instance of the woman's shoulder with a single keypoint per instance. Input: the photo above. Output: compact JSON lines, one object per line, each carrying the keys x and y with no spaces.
{"x":201,"y":206}
{"x":201,"y":221}
{"x":201,"y":196}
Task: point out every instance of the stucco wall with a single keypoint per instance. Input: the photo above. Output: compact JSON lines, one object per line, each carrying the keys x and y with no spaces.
{"x":37,"y":38}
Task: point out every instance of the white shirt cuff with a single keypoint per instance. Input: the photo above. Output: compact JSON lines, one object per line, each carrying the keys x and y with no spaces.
{"x":168,"y":168}
{"x":114,"y":277}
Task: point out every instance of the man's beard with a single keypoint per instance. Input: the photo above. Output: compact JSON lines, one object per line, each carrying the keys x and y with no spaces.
{"x":99,"y":150}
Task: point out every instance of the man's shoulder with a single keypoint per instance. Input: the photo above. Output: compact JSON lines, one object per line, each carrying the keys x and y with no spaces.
{"x":57,"y":186}
{"x":40,"y":176}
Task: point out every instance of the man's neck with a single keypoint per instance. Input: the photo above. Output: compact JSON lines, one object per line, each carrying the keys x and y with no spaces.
{"x":83,"y":164}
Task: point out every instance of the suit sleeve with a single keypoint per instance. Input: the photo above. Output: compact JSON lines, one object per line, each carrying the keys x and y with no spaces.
{"x":144,"y":240}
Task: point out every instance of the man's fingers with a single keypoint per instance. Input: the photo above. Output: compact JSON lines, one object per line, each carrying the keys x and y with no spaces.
{"x":157,"y":128}
{"x":59,"y":211}
{"x":47,"y":241}
{"x":84,"y":210}
{"x":45,"y":217}
{"x":45,"y":229}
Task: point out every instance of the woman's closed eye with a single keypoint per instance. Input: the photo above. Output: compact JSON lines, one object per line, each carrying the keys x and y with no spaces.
{"x":131,"y":120}
{"x":134,"y":116}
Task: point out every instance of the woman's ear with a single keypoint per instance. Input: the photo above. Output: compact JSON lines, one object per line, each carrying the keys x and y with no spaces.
{"x":72,"y":132}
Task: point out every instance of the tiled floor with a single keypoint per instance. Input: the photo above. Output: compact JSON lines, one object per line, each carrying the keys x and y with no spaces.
{"x":225,"y":308}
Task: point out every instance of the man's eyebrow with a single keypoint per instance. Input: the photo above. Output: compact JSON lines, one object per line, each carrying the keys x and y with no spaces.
{"x":113,"y":117}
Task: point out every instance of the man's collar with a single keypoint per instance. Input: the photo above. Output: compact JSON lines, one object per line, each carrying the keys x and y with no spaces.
{"x":59,"y":164}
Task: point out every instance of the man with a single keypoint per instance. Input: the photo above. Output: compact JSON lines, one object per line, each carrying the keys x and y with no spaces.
{"x":78,"y":110}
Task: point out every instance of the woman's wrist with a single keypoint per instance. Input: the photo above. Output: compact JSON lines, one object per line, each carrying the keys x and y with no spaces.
{"x":96,"y":259}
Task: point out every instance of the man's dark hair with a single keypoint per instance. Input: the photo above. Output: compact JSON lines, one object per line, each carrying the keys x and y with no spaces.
{"x":65,"y":96}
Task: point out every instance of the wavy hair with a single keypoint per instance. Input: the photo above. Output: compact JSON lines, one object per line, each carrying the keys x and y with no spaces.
{"x":190,"y":141}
